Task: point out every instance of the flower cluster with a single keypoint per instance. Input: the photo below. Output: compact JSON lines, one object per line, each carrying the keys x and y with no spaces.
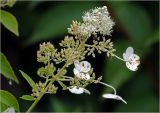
{"x":75,"y":48}
{"x":94,"y":21}
{"x":86,"y":38}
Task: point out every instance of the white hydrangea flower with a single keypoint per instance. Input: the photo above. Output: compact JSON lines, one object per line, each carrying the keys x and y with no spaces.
{"x":80,"y":90}
{"x":132,"y":60}
{"x":9,"y":110}
{"x":96,"y":20}
{"x":82,"y":69}
{"x":113,"y":96}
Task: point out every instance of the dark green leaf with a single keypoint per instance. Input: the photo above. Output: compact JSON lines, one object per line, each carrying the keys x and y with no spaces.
{"x":56,"y":20}
{"x":29,"y":80}
{"x":8,"y":99}
{"x":3,"y":107}
{"x":9,"y":21}
{"x":6,"y":69}
{"x":153,"y":38}
{"x":27,"y":97}
{"x":133,"y":19}
{"x":34,"y":4}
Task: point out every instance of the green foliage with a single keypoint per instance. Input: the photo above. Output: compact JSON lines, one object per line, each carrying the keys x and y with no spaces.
{"x":29,"y":80}
{"x":8,"y":100}
{"x":59,"y":106}
{"x":9,"y":21}
{"x":6,"y":69}
{"x":152,"y":38}
{"x":140,"y":96}
{"x":3,"y":107}
{"x":55,"y":20}
{"x":134,"y":20}
{"x":27,"y":97}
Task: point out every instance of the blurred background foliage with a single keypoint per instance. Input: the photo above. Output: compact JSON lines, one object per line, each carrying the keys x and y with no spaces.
{"x":137,"y":25}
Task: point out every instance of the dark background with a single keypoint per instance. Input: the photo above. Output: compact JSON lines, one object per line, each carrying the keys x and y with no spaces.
{"x":137,"y":25}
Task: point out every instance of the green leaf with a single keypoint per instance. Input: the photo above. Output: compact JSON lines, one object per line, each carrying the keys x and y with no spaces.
{"x":6,"y":69}
{"x":133,"y":19}
{"x":29,"y":80}
{"x":152,"y":38}
{"x":9,"y":21}
{"x":3,"y":107}
{"x":27,"y":97}
{"x":55,"y":21}
{"x":8,"y":99}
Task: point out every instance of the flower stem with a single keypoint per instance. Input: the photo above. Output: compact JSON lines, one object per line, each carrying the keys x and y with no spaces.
{"x":108,"y":86}
{"x":43,"y":91}
{"x":118,"y":57}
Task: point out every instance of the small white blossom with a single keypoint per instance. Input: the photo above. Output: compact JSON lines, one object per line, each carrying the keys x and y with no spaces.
{"x":96,"y":20}
{"x":10,"y":82}
{"x":82,"y":69}
{"x":9,"y":110}
{"x":113,"y":96}
{"x":132,"y":60}
{"x":80,"y":90}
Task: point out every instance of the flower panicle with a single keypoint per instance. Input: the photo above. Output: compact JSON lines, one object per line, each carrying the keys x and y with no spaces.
{"x":83,"y":40}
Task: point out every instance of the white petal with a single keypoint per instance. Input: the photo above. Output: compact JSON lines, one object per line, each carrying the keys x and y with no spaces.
{"x":76,"y":72}
{"x":132,"y":66}
{"x":86,"y":91}
{"x":77,"y":65}
{"x":128,"y":53}
{"x":113,"y":96}
{"x":87,"y":76}
{"x":134,"y":57}
{"x":124,"y":57}
{"x":9,"y":110}
{"x":85,"y":66}
{"x":76,"y":90}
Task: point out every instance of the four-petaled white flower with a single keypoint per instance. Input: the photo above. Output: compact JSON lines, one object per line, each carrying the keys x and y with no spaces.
{"x":80,"y":90}
{"x":82,"y":69}
{"x":132,"y":60}
{"x":113,"y":96}
{"x":9,"y":110}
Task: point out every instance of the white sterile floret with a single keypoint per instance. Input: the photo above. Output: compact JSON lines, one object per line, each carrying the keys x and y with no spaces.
{"x":97,"y":20}
{"x":80,"y":90}
{"x":113,"y":96}
{"x":9,"y":110}
{"x":132,"y":60}
{"x":82,"y":69}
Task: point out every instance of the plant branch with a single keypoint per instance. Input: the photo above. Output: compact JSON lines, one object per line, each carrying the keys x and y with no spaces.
{"x":45,"y":90}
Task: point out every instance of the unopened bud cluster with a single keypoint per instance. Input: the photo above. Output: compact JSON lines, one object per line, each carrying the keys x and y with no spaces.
{"x":40,"y":87}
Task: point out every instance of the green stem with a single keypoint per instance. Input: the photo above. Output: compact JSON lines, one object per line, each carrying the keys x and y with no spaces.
{"x":87,"y":45}
{"x":43,"y":91}
{"x":50,"y":83}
